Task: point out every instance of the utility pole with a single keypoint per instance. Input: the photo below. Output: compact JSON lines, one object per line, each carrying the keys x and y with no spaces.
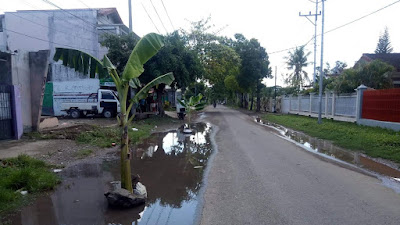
{"x":276,"y":72}
{"x":315,"y":37}
{"x":321,"y":76}
{"x":130,"y":15}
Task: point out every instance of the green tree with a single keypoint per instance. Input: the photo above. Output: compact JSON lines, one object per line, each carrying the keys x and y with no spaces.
{"x":119,"y":48}
{"x":384,"y":45}
{"x":146,"y":47}
{"x":221,"y":62}
{"x":218,"y":60}
{"x":177,"y":58}
{"x":233,"y":88}
{"x":296,"y":61}
{"x":195,"y":88}
{"x":254,"y":67}
{"x":376,"y":74}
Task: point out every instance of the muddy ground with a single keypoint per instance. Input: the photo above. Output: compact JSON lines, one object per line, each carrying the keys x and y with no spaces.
{"x":58,"y":145}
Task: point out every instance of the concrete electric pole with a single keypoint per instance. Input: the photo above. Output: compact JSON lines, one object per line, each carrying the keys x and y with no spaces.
{"x":315,"y":38}
{"x":276,"y":72}
{"x":130,"y":15}
{"x":321,"y":76}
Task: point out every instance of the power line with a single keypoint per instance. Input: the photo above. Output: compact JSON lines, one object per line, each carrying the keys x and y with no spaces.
{"x":83,"y":3}
{"x":50,"y":14}
{"x":158,"y":16}
{"x":362,"y":17}
{"x":314,"y":1}
{"x":150,"y":18}
{"x":287,"y":49}
{"x":51,"y":3}
{"x":80,"y":18}
{"x":341,"y":26}
{"x":40,"y":39}
{"x":39,"y":24}
{"x":167,"y":14}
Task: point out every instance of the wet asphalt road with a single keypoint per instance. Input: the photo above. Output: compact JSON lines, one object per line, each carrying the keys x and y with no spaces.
{"x":259,"y":178}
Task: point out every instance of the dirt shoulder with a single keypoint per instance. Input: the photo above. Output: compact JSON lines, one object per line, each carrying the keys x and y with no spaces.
{"x":76,"y":140}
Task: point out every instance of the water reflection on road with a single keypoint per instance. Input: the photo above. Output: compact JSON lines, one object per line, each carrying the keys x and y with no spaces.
{"x":170,"y":164}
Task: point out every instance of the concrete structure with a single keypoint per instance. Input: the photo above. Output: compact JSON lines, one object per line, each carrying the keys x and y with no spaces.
{"x":38,"y":67}
{"x":344,"y":107}
{"x":34,"y":30}
{"x":338,"y":107}
{"x":26,"y":73}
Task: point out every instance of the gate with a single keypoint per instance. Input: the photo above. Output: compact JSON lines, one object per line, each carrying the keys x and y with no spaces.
{"x":6,"y":118}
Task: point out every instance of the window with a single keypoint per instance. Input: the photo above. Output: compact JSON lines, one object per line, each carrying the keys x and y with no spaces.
{"x":107,"y":95}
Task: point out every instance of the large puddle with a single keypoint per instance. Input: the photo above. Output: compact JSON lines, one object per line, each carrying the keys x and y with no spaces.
{"x":170,"y":164}
{"x":387,"y":172}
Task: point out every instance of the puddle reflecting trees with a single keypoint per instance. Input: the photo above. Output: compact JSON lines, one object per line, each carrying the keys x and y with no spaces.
{"x":170,"y":165}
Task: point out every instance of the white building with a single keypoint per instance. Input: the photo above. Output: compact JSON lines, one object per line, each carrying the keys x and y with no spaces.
{"x":33,"y":30}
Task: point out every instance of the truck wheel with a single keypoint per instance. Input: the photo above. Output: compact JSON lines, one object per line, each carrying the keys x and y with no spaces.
{"x":107,"y":113}
{"x":75,"y":113}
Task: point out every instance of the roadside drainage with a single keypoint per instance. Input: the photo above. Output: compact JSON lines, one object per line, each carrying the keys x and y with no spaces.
{"x":383,"y":170}
{"x":171,"y":166}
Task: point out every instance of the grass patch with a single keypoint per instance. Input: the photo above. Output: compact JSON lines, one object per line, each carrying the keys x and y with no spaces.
{"x":99,"y":136}
{"x":23,"y":173}
{"x":373,"y":141}
{"x":84,"y":153}
{"x":105,"y":136}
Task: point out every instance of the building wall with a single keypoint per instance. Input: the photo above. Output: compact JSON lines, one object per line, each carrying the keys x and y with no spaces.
{"x":21,"y":24}
{"x":5,"y":68}
{"x":2,"y":42}
{"x":31,"y":31}
{"x":54,"y":29}
{"x":21,"y":78}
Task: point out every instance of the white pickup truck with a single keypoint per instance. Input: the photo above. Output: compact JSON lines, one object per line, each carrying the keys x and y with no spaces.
{"x":103,"y":102}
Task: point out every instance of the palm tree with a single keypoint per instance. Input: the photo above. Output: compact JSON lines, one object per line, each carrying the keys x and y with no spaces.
{"x":296,"y":61}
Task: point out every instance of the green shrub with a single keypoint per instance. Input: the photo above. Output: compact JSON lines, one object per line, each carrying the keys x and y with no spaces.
{"x":373,"y":141}
{"x":23,"y":173}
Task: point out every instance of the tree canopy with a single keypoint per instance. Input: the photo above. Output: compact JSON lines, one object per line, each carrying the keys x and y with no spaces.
{"x":384,"y":45}
{"x":119,"y":48}
{"x":177,"y":58}
{"x":375,"y":74}
{"x":296,"y":61}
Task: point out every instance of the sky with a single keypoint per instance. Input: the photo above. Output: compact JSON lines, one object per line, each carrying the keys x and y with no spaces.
{"x":275,"y":23}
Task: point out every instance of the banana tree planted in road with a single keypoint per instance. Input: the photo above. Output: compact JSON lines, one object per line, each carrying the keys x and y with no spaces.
{"x":192,"y":104}
{"x":147,"y":47}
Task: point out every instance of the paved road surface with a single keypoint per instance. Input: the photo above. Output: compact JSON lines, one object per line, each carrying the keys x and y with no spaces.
{"x":259,"y":178}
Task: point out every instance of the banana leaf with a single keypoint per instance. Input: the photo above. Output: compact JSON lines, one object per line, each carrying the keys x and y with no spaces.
{"x":81,"y":61}
{"x":146,"y":48}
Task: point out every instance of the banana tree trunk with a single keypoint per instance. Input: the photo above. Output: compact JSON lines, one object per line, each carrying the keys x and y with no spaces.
{"x":126,"y":180}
